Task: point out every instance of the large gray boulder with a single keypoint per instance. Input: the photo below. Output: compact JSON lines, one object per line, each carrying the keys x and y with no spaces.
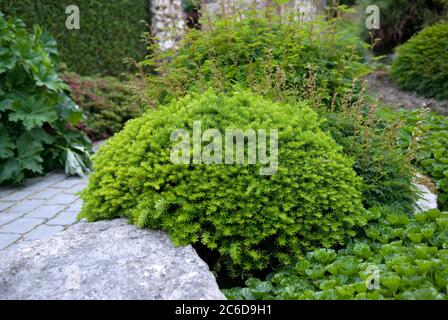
{"x":105,"y":260}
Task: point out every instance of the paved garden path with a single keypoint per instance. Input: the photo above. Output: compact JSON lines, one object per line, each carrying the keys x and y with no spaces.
{"x":40,"y":208}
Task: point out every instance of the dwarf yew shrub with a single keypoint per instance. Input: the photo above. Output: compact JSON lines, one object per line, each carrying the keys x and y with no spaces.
{"x":251,"y":221}
{"x":421,"y":64}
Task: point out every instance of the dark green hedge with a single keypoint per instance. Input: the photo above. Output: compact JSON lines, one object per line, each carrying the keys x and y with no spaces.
{"x":401,"y":19}
{"x":110,"y":31}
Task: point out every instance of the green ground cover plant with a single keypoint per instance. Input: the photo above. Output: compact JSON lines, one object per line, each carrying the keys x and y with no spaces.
{"x":37,"y":117}
{"x":422,"y":63}
{"x":250,"y":222}
{"x":426,"y":133}
{"x":409,"y":253}
{"x":109,"y":31}
{"x":106,"y":102}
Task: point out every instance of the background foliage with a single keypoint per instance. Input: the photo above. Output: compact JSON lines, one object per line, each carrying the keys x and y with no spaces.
{"x":422,"y":63}
{"x":251,"y":222}
{"x":107,"y":103}
{"x":36,"y":115}
{"x":273,"y":57}
{"x":400,"y":19}
{"x":110,"y":31}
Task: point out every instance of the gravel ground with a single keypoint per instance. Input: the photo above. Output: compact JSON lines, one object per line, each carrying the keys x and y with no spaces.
{"x":381,"y":87}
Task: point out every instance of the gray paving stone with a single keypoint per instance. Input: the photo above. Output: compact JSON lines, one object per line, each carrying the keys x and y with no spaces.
{"x":21,"y":225}
{"x":77,"y":188}
{"x":18,"y":195}
{"x":31,"y":181}
{"x":65,"y":218}
{"x":6,"y":218}
{"x":46,"y":194}
{"x":44,"y":182}
{"x":64,"y":198}
{"x":46,"y":211}
{"x":42,"y":232}
{"x":6,"y":190}
{"x":7,"y":239}
{"x":5,"y":205}
{"x":75,"y":206}
{"x":25,"y":206}
{"x":68,"y":183}
{"x":54,"y":177}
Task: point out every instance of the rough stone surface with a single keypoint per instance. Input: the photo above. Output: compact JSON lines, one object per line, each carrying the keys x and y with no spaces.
{"x":428,"y":200}
{"x":105,"y":260}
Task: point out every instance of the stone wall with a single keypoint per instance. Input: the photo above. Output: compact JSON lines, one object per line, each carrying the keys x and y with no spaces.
{"x":307,"y":7}
{"x":167,"y":22}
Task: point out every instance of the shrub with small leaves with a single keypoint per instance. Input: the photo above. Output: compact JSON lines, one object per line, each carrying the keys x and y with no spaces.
{"x":107,"y":103}
{"x":274,"y":56}
{"x":252,"y":221}
{"x":36,"y":115}
{"x":422,"y":63}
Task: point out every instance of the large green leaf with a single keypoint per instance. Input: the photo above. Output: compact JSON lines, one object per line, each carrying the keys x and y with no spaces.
{"x":6,"y":104}
{"x":10,"y":171}
{"x":45,"y":76}
{"x":68,"y":110}
{"x":75,"y":164}
{"x":27,"y":158}
{"x":33,"y":112}
{"x":6,"y":144}
{"x":7,"y":60}
{"x":29,"y":153}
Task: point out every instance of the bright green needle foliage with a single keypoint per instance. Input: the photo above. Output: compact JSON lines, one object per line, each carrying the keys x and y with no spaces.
{"x":422,"y":63}
{"x":36,"y":115}
{"x":269,"y":54}
{"x":252,"y":221}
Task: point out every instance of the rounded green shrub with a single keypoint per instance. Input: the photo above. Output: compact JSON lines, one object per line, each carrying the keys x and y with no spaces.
{"x":251,"y":221}
{"x":422,"y":63}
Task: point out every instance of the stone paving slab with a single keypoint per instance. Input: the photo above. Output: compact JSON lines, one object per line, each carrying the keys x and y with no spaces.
{"x":40,"y":208}
{"x":21,"y":225}
{"x":43,"y":231}
{"x":7,"y":238}
{"x":65,"y":218}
